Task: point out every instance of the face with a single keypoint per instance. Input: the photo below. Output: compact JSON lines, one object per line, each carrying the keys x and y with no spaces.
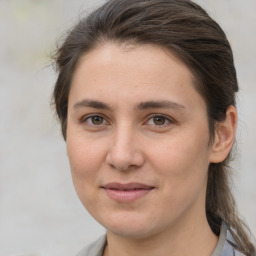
{"x":137,"y":140}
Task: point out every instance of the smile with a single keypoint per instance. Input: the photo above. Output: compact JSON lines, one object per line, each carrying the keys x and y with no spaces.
{"x":125,"y":193}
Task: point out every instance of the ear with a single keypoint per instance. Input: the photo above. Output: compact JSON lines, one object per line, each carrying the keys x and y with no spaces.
{"x":224,"y":136}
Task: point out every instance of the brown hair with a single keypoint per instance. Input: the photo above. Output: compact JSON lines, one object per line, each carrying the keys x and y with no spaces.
{"x":185,"y":29}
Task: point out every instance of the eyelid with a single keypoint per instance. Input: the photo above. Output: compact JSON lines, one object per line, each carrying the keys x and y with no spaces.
{"x":84,"y":118}
{"x":168,"y":118}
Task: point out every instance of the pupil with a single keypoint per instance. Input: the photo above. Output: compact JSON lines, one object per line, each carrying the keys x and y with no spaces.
{"x":159,"y":120}
{"x":97,"y":120}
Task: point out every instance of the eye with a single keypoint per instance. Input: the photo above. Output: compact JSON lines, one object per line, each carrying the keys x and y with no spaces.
{"x":159,"y":120}
{"x":97,"y":120}
{"x":94,"y":120}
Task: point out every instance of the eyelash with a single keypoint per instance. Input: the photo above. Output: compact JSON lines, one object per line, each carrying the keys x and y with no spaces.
{"x":167,"y":120}
{"x":86,"y":118}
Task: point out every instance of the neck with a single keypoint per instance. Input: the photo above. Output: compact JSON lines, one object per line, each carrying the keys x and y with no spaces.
{"x":186,"y":239}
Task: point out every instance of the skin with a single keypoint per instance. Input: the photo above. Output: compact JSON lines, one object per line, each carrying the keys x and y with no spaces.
{"x":123,"y":142}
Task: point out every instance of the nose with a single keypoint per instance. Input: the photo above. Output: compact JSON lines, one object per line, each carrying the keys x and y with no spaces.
{"x":125,"y":151}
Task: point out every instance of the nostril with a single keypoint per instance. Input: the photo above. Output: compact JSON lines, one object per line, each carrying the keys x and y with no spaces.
{"x":124,"y":153}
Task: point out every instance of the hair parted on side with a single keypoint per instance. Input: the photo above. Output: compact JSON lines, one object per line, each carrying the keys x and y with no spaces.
{"x":186,"y":30}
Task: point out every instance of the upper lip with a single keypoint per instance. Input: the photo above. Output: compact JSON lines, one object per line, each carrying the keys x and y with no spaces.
{"x":127,"y":186}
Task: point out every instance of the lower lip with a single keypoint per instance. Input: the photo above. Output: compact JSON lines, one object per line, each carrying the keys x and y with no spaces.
{"x":126,"y":196}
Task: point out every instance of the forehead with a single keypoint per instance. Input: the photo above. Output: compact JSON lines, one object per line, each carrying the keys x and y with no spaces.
{"x":116,"y":71}
{"x":132,"y":56}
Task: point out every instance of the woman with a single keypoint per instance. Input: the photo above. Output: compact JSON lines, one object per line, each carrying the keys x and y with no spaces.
{"x":146,"y":98}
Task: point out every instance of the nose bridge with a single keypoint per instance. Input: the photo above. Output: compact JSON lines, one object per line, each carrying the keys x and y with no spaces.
{"x":124,"y":151}
{"x":123,"y":136}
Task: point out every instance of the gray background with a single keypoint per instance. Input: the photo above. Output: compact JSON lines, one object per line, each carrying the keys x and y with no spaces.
{"x":39,"y":211}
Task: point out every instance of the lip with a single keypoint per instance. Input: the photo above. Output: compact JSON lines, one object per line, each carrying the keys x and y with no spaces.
{"x":125,"y":193}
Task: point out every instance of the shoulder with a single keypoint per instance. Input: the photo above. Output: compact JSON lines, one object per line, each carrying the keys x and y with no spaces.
{"x":94,"y":249}
{"x":226,"y":243}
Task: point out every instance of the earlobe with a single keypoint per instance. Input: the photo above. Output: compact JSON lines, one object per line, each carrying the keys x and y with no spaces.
{"x":224,"y":136}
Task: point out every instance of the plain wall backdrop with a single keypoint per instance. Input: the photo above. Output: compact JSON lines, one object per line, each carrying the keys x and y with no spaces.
{"x":40,"y":213}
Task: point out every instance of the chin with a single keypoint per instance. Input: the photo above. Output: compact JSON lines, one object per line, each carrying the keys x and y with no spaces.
{"x":131,"y":227}
{"x":132,"y":232}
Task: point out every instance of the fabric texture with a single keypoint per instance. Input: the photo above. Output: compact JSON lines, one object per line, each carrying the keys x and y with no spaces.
{"x":224,"y":246}
{"x":94,"y":249}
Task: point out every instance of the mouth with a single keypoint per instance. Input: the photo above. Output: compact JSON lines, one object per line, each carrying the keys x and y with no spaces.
{"x":125,"y":193}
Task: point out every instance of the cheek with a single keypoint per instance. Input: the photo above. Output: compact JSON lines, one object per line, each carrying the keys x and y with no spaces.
{"x":82,"y":152}
{"x":182,"y":155}
{"x":84,"y":165}
{"x":85,"y":159}
{"x":182,"y":162}
{"x":183,"y":171}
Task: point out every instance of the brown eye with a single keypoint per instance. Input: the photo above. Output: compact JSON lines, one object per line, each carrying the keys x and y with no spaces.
{"x":159,"y":120}
{"x":94,"y":122}
{"x":97,"y":120}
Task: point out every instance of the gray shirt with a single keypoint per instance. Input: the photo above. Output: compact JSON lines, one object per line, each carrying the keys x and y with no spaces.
{"x":223,"y":248}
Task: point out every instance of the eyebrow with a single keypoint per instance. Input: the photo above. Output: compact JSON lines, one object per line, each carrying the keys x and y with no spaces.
{"x":141,"y":106}
{"x":92,"y":104}
{"x":159,"y":104}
